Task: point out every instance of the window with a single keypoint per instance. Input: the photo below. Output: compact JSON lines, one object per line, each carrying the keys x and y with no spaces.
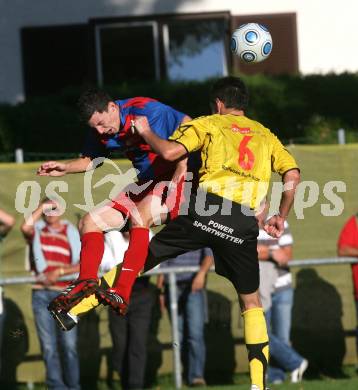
{"x":127,"y":51}
{"x":54,"y":57}
{"x":177,"y":47}
{"x":195,"y":50}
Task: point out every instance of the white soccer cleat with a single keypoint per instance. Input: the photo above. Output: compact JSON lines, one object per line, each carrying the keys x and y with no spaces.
{"x":297,"y":374}
{"x":254,"y":387}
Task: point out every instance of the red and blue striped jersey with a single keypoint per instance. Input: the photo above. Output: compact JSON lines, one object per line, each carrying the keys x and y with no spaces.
{"x":162,"y":119}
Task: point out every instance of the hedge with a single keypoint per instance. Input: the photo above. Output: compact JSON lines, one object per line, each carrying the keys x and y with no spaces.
{"x":299,"y":108}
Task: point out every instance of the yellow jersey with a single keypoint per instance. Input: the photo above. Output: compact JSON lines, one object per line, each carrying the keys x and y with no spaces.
{"x":238,"y":156}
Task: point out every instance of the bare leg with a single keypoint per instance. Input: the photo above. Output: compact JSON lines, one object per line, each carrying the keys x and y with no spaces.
{"x":148,"y":210}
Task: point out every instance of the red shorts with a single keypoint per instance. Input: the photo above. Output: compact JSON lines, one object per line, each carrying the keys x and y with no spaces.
{"x":127,"y":200}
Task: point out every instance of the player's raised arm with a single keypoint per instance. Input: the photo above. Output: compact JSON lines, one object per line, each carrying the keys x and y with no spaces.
{"x":290,"y":181}
{"x":168,"y":150}
{"x":275,"y":225}
{"x":56,"y":168}
{"x":27,"y":227}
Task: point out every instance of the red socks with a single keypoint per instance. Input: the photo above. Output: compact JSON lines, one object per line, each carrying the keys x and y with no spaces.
{"x":92,"y":250}
{"x":133,"y":262}
{"x":134,"y":258}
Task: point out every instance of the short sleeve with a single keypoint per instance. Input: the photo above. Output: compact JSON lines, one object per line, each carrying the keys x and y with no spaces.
{"x":281,"y":159}
{"x":163,"y":119}
{"x":191,"y":134}
{"x":207,"y":252}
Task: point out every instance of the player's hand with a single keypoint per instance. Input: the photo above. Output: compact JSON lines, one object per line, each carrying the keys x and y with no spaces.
{"x":274,"y":226}
{"x":52,"y":168}
{"x":261,"y":217}
{"x":198,"y":282}
{"x":180,"y":172}
{"x":141,"y":125}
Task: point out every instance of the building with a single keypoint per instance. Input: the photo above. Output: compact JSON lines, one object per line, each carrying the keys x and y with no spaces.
{"x":49,"y":44}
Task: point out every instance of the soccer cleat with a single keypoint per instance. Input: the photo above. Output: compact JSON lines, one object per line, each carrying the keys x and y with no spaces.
{"x":112,"y":298}
{"x":297,"y":374}
{"x":73,"y":294}
{"x":254,"y":387}
{"x":64,"y":320}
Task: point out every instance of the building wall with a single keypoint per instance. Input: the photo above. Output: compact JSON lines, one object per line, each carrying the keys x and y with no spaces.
{"x":325,"y":44}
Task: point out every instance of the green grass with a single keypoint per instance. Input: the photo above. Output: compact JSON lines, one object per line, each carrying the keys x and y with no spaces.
{"x":242,"y":383}
{"x":315,"y":237}
{"x":346,"y":384}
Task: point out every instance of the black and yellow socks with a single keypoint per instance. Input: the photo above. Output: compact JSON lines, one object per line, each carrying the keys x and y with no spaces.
{"x":257,"y":344}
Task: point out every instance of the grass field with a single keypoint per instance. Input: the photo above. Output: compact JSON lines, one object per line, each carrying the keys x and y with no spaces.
{"x":323,"y":294}
{"x":242,"y":383}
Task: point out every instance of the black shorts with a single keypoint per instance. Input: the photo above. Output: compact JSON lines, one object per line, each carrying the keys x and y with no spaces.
{"x":229,"y":229}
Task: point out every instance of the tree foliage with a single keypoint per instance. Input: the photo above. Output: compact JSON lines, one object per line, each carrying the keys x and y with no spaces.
{"x":301,"y":108}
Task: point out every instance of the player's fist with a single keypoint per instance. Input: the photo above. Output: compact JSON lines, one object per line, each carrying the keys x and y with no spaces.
{"x":52,"y":168}
{"x":141,"y":124}
{"x":274,"y":226}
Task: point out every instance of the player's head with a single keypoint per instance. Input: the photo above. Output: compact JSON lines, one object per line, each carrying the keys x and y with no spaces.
{"x":98,"y":110}
{"x":228,"y":93}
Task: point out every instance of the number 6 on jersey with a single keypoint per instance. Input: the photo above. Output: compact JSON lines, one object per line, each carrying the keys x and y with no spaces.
{"x":246,"y":156}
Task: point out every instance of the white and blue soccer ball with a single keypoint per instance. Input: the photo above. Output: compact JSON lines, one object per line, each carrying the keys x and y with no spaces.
{"x":252,"y":42}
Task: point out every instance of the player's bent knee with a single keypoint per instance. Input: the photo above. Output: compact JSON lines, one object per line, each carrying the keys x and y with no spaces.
{"x":87,"y":224}
{"x":141,"y":220}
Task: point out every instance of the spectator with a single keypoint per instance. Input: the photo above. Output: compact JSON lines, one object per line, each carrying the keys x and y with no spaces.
{"x":348,"y":246}
{"x":276,"y":294}
{"x":192,"y":310}
{"x":55,"y":247}
{"x":6,"y":224}
{"x":129,"y":333}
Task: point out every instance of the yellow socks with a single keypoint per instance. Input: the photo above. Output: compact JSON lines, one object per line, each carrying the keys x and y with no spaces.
{"x":256,"y":340}
{"x":91,"y":302}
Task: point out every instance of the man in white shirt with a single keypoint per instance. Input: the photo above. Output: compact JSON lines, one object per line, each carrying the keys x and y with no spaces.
{"x":276,"y":295}
{"x":129,"y":333}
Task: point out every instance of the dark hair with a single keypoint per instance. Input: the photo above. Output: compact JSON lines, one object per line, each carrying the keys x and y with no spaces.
{"x":231,"y":91}
{"x":92,"y":100}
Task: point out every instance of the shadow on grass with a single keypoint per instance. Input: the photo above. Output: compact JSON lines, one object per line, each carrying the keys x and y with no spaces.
{"x":15,"y":344}
{"x":220,"y":343}
{"x":317,"y":329}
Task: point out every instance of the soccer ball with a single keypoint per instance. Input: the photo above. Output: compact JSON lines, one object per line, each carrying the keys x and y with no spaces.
{"x":252,"y":42}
